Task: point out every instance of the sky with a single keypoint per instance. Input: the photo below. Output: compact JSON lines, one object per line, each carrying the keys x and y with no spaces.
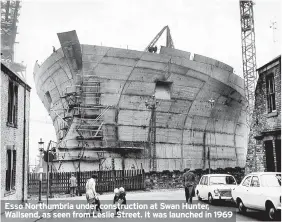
{"x":207,"y":27}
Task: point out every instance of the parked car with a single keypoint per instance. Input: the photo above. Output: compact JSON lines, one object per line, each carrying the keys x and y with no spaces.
{"x":259,"y":191}
{"x":215,"y":187}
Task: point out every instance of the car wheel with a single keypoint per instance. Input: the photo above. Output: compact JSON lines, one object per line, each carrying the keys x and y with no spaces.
{"x":241,"y":207}
{"x":271,"y":212}
{"x":210,"y":199}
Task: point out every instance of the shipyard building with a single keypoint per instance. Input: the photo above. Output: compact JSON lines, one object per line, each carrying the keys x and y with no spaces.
{"x":117,"y":109}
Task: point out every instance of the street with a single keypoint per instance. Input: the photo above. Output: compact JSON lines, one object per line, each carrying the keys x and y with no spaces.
{"x":173,"y":197}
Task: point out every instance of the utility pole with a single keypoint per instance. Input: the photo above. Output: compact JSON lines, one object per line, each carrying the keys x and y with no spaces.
{"x":273,"y":27}
{"x":211,"y":101}
{"x":152,"y":133}
{"x":41,"y":149}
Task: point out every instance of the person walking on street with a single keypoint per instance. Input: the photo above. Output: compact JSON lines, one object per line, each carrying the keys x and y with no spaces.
{"x":91,"y":194}
{"x":73,"y":184}
{"x":189,"y":182}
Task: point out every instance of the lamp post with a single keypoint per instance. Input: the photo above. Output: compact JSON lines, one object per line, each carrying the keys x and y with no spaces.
{"x":41,"y":149}
{"x":152,"y":130}
{"x":211,"y":101}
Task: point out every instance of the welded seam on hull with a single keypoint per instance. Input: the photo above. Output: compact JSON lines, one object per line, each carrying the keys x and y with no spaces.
{"x":237,"y":163}
{"x":173,"y":101}
{"x":121,"y":93}
{"x":174,"y":143}
{"x":184,"y":123}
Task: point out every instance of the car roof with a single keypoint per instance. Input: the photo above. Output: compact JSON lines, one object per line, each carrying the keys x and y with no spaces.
{"x":263,"y":173}
{"x":218,"y":174}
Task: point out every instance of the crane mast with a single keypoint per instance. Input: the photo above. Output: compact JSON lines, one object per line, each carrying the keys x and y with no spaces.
{"x":248,"y":52}
{"x":9,"y":19}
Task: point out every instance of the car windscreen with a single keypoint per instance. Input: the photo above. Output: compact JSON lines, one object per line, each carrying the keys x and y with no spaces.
{"x":273,"y":180}
{"x":222,"y":180}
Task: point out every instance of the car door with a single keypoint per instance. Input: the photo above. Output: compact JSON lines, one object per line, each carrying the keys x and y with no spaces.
{"x":255,"y":193}
{"x":243,"y":191}
{"x":200,"y":186}
{"x":202,"y":191}
{"x":205,"y":187}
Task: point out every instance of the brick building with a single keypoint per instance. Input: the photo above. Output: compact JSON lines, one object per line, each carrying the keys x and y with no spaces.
{"x":264,"y":150}
{"x":15,"y":111}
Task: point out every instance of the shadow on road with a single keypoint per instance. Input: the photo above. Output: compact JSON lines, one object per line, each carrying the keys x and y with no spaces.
{"x":250,"y":215}
{"x":255,"y":215}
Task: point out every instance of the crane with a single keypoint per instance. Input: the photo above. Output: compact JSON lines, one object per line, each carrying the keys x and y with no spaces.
{"x":248,"y":52}
{"x":169,"y":42}
{"x":9,"y":19}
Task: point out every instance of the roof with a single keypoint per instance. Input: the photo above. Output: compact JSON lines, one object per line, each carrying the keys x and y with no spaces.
{"x":14,"y":75}
{"x":273,"y":60}
{"x":218,"y":174}
{"x":261,"y":173}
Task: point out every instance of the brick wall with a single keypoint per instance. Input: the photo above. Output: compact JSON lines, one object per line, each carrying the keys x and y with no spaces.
{"x":262,"y":121}
{"x":11,"y":136}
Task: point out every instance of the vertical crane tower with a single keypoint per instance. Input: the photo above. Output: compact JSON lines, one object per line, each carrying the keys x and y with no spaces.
{"x":9,"y":20}
{"x":248,"y":52}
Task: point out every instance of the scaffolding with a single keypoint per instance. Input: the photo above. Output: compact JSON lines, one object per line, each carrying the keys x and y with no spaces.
{"x":83,"y":105}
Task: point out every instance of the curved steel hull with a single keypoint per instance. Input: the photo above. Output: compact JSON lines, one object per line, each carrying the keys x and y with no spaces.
{"x":187,"y":125}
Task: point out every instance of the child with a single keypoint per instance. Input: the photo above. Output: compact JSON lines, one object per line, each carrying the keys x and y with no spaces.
{"x":121,"y":198}
{"x":116,"y":197}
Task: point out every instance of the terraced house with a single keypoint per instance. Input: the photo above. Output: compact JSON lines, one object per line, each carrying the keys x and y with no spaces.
{"x":264,"y":151}
{"x":15,"y":100}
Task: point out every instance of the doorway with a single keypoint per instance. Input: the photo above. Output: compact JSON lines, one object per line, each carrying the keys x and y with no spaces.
{"x":268,"y":146}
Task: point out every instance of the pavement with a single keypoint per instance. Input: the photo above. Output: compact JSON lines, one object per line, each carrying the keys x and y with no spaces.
{"x":169,"y":198}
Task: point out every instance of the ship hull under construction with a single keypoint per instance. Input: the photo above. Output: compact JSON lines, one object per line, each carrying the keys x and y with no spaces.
{"x":124,"y":109}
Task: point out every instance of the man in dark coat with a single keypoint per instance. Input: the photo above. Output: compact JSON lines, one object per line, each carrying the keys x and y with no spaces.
{"x":189,"y":182}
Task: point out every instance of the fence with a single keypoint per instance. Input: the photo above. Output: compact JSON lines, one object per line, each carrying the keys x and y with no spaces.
{"x":106,"y":181}
{"x":173,"y":179}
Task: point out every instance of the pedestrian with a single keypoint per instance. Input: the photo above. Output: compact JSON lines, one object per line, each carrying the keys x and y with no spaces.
{"x":115,"y":202}
{"x":73,"y":185}
{"x":189,"y":182}
{"x":91,"y":195}
{"x":121,"y":198}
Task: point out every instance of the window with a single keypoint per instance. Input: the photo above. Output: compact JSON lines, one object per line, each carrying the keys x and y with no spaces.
{"x":11,"y":158}
{"x":162,"y":90}
{"x":247,"y":181}
{"x":230,"y":180}
{"x":270,"y":93}
{"x":205,"y":182}
{"x":217,"y":180}
{"x":12,"y":104}
{"x":255,"y":182}
{"x":202,"y":181}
